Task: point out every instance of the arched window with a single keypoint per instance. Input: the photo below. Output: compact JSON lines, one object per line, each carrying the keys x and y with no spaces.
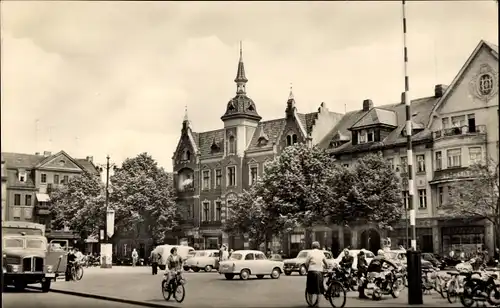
{"x":288,"y":140}
{"x":186,"y":155}
{"x":232,"y":145}
{"x":294,"y":139}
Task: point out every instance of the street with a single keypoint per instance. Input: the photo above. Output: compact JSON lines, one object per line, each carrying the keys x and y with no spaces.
{"x":213,"y":290}
{"x":32,"y":298}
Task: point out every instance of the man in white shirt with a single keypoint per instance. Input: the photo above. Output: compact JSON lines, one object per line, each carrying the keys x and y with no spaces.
{"x":78,"y":255}
{"x":315,"y":263}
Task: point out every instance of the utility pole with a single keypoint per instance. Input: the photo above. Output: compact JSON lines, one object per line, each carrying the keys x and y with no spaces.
{"x":106,"y":246}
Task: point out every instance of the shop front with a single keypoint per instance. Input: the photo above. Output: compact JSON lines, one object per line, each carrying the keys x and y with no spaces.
{"x":462,"y":238}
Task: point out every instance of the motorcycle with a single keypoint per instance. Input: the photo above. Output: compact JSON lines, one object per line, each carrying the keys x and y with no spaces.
{"x":348,"y":278}
{"x":385,"y":283}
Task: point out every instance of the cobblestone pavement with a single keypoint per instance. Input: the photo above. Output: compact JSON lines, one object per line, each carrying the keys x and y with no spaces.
{"x":212,"y":290}
{"x":36,"y":299}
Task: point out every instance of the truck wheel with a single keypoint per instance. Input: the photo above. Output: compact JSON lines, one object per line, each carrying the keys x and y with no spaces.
{"x":46,"y":286}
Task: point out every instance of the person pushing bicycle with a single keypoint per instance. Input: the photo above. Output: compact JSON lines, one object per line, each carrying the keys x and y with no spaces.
{"x":174,"y":265}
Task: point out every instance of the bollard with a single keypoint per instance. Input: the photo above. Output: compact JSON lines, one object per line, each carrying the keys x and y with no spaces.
{"x":414,"y":273}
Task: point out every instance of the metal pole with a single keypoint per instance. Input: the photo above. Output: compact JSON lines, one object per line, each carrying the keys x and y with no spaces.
{"x":406,"y":226}
{"x":106,"y":238}
{"x":408,"y":138}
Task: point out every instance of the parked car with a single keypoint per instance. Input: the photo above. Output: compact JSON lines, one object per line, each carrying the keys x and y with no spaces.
{"x":276,"y":257}
{"x":250,"y":262}
{"x":203,"y":259}
{"x":354,"y":253}
{"x":297,"y":264}
{"x":399,"y":257}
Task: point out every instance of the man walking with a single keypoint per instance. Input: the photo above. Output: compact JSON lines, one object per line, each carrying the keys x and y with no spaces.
{"x":135,"y":256}
{"x":154,"y":261}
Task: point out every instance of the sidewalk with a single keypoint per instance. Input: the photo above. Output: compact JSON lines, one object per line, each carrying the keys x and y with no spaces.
{"x":96,"y":270}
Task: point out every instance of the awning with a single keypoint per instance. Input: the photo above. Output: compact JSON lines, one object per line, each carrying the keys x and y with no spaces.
{"x":42,"y":197}
{"x":91,"y":239}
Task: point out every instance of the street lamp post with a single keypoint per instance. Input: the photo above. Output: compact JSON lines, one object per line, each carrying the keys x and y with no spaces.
{"x":106,"y":246}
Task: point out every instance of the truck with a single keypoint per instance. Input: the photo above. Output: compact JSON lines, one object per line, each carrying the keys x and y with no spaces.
{"x":28,"y":258}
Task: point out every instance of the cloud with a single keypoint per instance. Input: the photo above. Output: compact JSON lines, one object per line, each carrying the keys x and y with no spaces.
{"x":114,"y":77}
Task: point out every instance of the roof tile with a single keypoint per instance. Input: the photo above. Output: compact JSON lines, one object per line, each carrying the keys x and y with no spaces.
{"x":272,"y":130}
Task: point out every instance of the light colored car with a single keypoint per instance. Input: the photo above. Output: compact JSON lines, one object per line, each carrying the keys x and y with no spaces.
{"x":354,"y":253}
{"x":185,"y":252}
{"x":205,"y":260}
{"x":399,"y":258}
{"x":250,"y":262}
{"x":298,"y":263}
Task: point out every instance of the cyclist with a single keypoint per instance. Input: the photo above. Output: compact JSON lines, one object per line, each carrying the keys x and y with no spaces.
{"x":347,"y":261}
{"x":70,"y":264}
{"x":315,"y":262}
{"x":174,"y":265}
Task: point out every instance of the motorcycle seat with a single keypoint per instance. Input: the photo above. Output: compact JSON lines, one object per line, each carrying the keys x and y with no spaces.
{"x":476,"y":273}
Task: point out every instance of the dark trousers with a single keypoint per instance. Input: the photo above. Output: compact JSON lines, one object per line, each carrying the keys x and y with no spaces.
{"x":361,"y":288}
{"x":154,"y":266}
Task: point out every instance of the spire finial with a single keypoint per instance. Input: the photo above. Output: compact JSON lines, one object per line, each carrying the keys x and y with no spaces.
{"x":290,"y":96}
{"x":241,"y":79}
{"x":186,"y":119}
{"x":241,"y":51}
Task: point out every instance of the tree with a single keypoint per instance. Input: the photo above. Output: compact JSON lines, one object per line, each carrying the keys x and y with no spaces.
{"x":79,"y":205}
{"x":145,"y":195}
{"x":369,"y":190}
{"x":479,"y":197}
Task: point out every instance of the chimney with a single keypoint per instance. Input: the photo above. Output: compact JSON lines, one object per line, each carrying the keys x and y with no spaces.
{"x":367,"y":104}
{"x":46,"y":153}
{"x":439,"y":90}
{"x":403,"y":97}
{"x":90,"y":159}
{"x":37,"y":153}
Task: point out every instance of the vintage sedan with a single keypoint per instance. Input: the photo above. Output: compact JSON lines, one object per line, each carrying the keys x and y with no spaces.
{"x":298,"y":264}
{"x":206,"y":260}
{"x":250,"y":262}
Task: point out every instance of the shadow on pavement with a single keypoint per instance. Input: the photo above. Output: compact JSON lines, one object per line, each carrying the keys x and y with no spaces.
{"x":14,"y":290}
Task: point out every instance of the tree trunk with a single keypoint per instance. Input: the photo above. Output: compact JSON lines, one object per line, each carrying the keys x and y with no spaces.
{"x":308,"y":238}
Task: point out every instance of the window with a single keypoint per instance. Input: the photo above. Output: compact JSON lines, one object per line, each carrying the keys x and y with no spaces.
{"x":218,"y":210}
{"x":249,"y":256}
{"x":362,"y":136}
{"x":471,"y":119}
{"x":420,"y":163}
{"x":232,"y":145}
{"x":28,"y":212}
{"x":404,"y":164}
{"x":422,"y":198}
{"x":22,"y":177}
{"x":65,"y":179}
{"x":17,"y":212}
{"x":288,"y":140}
{"x":43,"y":178}
{"x":370,"y":136}
{"x":260,"y":256}
{"x":231,"y":176}
{"x":454,"y":158}
{"x":17,"y":199}
{"x":186,"y":155}
{"x":189,"y":213}
{"x":440,"y":196}
{"x":475,"y":155}
{"x":346,"y":165}
{"x":206,"y":179}
{"x":445,"y":123}
{"x":390,"y":162}
{"x":56,"y":178}
{"x":439,"y":160}
{"x":206,"y":211}
{"x":406,"y":199}
{"x":27,"y":200}
{"x":218,"y":177}
{"x":458,"y":121}
{"x":294,"y":139}
{"x":253,"y":174}
{"x":485,"y":84}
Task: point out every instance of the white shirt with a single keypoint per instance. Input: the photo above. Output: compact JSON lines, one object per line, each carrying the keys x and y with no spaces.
{"x":225,"y":255}
{"x":79,"y":256}
{"x":315,"y":260}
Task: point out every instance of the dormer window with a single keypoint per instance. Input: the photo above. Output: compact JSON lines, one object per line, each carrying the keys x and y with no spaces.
{"x":370,"y":136}
{"x":362,"y":136}
{"x":262,"y":141}
{"x":231,"y":107}
{"x":291,"y":139}
{"x":366,"y":135}
{"x":251,"y":108}
{"x":214,"y":148}
{"x":22,"y":176}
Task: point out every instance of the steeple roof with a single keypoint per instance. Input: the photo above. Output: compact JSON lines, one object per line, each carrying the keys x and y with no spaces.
{"x":240,"y":74}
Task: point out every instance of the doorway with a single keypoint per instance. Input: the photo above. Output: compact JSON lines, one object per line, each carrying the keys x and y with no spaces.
{"x":370,"y":239}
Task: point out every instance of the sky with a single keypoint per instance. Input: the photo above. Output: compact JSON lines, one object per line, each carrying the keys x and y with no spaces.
{"x":98,"y":78}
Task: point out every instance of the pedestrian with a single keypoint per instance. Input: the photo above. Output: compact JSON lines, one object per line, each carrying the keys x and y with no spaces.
{"x":225,"y":254}
{"x":154,"y":261}
{"x":135,"y":256}
{"x":221,"y":252}
{"x":462,"y":255}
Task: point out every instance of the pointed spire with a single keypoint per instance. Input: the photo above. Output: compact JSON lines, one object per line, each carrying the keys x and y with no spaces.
{"x":186,"y":119}
{"x":290,"y":103}
{"x":241,"y":79}
{"x":290,"y":96}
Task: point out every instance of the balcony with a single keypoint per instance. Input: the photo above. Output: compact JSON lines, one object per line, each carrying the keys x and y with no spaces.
{"x":451,"y":174}
{"x":460,"y":131}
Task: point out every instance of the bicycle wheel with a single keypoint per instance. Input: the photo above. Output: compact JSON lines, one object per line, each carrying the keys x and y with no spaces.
{"x":179,"y":293}
{"x":73,"y":274}
{"x":312,"y":299}
{"x":334,"y":292}
{"x":451,"y":295}
{"x":165,"y":290}
{"x":467,"y":296}
{"x":79,"y":273}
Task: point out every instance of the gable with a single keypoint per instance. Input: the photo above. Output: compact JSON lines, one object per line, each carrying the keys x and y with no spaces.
{"x":377,"y":116}
{"x":60,"y":161}
{"x":184,"y":144}
{"x":464,"y":93}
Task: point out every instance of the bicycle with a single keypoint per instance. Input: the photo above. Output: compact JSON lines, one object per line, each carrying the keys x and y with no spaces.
{"x":333,"y":290}
{"x":76,"y":271}
{"x":175,"y":287}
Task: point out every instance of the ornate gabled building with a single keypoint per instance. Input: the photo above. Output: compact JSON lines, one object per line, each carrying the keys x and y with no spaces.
{"x":451,"y":130}
{"x":212,"y":167}
{"x":28,"y":179}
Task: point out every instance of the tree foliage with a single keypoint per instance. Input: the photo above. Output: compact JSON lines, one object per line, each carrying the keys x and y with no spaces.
{"x":478,"y":197}
{"x":79,"y":205}
{"x":144,"y":198}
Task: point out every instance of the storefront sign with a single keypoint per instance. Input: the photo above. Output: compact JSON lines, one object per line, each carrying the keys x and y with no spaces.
{"x":463,"y":230}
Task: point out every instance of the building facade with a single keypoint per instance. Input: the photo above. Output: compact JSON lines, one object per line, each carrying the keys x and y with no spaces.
{"x":451,"y":130}
{"x":211,"y":168}
{"x":29,"y":180}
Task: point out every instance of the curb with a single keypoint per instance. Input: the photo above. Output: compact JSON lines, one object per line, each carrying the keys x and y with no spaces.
{"x":108,"y":298}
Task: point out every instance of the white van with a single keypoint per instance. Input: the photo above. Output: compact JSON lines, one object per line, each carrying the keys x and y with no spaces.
{"x":185,"y":252}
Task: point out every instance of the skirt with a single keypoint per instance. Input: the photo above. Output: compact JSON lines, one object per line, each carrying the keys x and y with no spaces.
{"x":314,"y":283}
